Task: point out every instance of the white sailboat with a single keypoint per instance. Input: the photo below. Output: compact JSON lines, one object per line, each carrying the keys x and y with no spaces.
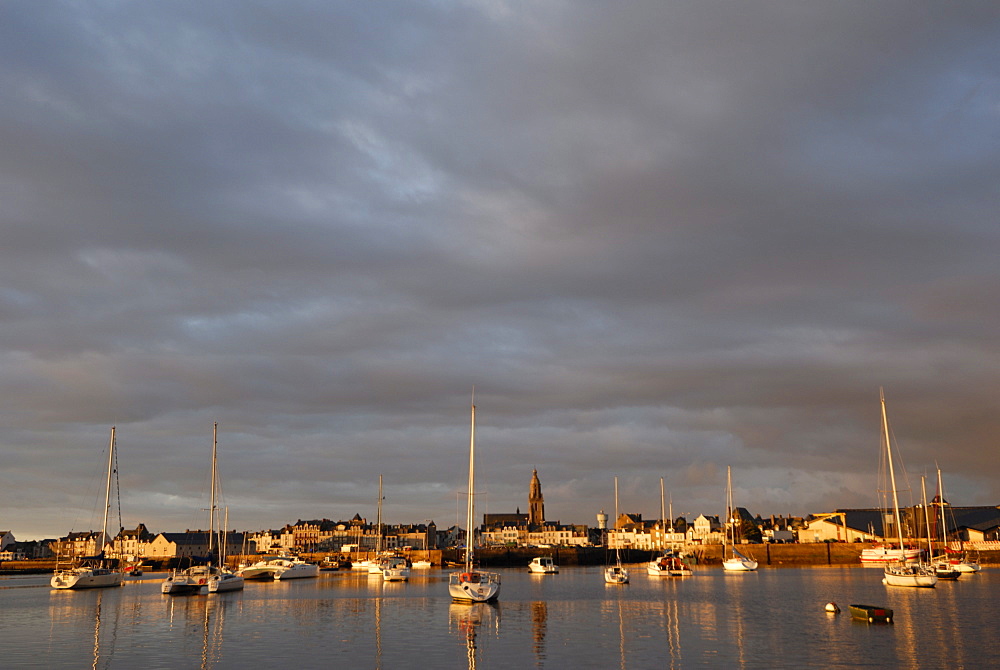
{"x":194,"y":579}
{"x":223,"y":578}
{"x":470,"y":584}
{"x":616,"y":574}
{"x":958,"y":560}
{"x":669,"y":563}
{"x":93,"y":572}
{"x":900,"y":573}
{"x":732,"y":559}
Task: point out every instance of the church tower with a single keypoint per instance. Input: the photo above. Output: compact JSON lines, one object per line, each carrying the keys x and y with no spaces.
{"x":536,"y":503}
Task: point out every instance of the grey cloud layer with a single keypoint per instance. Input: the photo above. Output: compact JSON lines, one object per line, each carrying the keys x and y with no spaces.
{"x":659,"y":238}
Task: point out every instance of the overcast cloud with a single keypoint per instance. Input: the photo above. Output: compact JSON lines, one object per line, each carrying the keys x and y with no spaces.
{"x":659,"y":238}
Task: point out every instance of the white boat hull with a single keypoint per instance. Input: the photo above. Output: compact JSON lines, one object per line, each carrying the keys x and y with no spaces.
{"x":396,"y":574}
{"x":191,"y":580}
{"x":882,"y":556}
{"x":616,"y":575}
{"x":739,"y":565}
{"x":477,"y":587}
{"x":668,"y":566}
{"x":909,"y":575}
{"x":543,"y":565}
{"x":966,"y":567}
{"x":298,"y":571}
{"x":225,"y":582}
{"x":86,"y":579}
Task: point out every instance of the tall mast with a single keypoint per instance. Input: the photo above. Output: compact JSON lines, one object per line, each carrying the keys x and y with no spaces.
{"x":211,"y":508}
{"x":729,"y":505}
{"x":927,"y":518}
{"x":616,"y":501}
{"x":617,"y":539}
{"x":892,"y":474}
{"x":471,"y":508}
{"x":671,"y":513}
{"x":378,"y":538}
{"x":944,"y":527}
{"x":663,"y":521}
{"x":107,"y":492}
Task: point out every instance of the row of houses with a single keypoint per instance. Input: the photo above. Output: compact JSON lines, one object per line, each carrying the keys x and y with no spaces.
{"x":301,"y":537}
{"x":963,"y":524}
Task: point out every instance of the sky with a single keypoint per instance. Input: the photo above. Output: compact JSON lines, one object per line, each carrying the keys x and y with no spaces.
{"x":657,"y":238}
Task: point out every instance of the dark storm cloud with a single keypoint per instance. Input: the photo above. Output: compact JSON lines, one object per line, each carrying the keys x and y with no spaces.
{"x":659,"y":238}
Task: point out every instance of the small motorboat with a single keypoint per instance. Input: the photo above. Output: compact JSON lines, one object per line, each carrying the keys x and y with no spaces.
{"x":543,"y":565}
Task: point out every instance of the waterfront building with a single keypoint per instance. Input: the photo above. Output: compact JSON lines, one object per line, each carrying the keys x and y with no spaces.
{"x":532,"y":529}
{"x":84,"y":543}
{"x":131,"y":544}
{"x":706,"y":529}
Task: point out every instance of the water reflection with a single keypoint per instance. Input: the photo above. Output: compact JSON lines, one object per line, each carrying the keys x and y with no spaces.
{"x":467,"y":619}
{"x":539,"y":624}
{"x":773,"y":618}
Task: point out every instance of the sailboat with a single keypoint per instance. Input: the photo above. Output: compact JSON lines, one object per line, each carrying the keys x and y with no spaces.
{"x":472,"y":585}
{"x":958,"y":561}
{"x":900,"y":573}
{"x":669,"y":563}
{"x":192,"y":579}
{"x":93,"y":572}
{"x":732,"y":559}
{"x":616,"y":574}
{"x":939,"y":564}
{"x":223,"y":579}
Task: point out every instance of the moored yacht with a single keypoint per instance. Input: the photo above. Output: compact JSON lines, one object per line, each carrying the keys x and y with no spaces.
{"x":900,"y":573}
{"x":94,"y":572}
{"x":543,"y":565}
{"x":470,"y":584}
{"x":396,"y":569}
{"x":188,"y":581}
{"x":733,"y":559}
{"x":280,"y":568}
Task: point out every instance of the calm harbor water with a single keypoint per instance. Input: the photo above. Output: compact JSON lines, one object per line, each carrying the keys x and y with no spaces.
{"x":771,"y":618}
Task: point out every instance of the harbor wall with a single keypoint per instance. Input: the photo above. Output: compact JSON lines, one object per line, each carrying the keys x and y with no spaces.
{"x":768,"y":555}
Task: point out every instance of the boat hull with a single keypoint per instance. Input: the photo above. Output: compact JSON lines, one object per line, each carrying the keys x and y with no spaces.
{"x":912,"y":576}
{"x":881,"y":556}
{"x":476,"y":587}
{"x":668,"y":565}
{"x":739,"y":565}
{"x":300,"y":571}
{"x":86,"y":579}
{"x":616,"y":575}
{"x":225,"y":582}
{"x":870,"y":613}
{"x":542,"y":565}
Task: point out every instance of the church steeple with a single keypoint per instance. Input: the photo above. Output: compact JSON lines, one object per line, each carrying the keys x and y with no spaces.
{"x":536,"y":503}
